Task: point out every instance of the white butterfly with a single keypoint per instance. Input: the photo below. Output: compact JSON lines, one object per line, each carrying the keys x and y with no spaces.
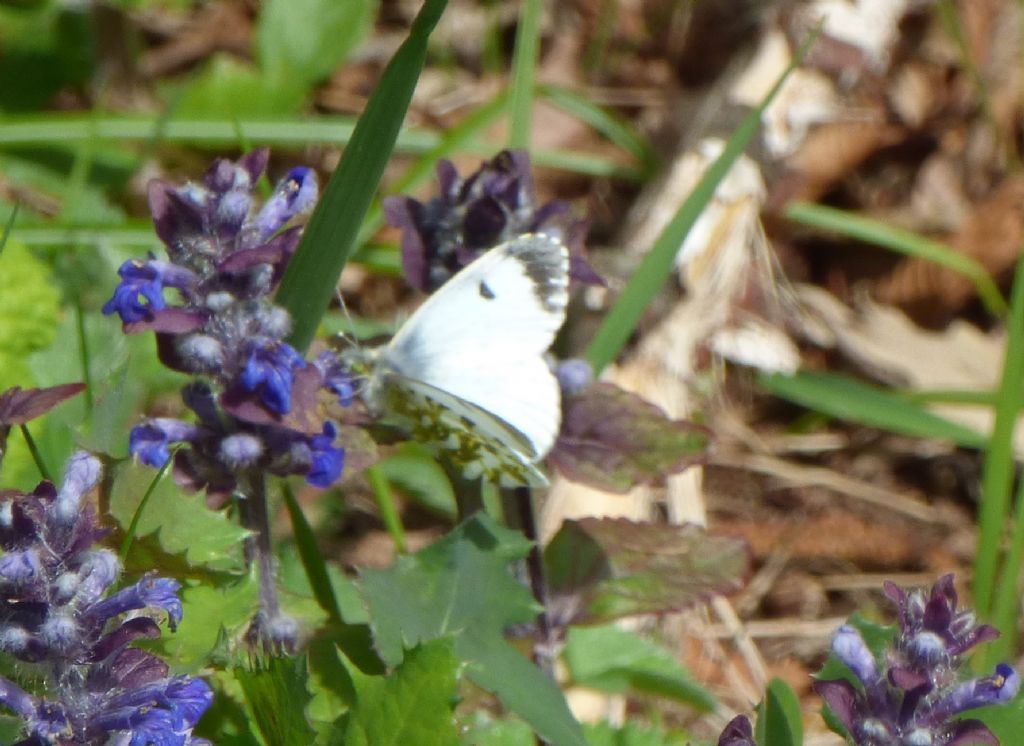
{"x":466,"y":373}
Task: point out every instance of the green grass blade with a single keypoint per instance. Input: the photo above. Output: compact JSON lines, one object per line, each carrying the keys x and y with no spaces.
{"x":386,"y":504}
{"x":309,"y":283}
{"x":524,"y":72}
{"x":997,"y":473}
{"x":649,"y":277}
{"x":903,"y":242}
{"x":312,"y":559}
{"x":853,"y":401}
{"x":37,"y":457}
{"x":9,"y":226}
{"x":133,"y":527}
{"x":1007,"y":599}
{"x":610,"y":125}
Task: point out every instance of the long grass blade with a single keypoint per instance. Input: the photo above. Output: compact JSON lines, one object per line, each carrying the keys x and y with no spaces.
{"x":903,"y":242}
{"x":330,"y":237}
{"x":649,"y":277}
{"x":524,"y":73}
{"x":997,"y":473}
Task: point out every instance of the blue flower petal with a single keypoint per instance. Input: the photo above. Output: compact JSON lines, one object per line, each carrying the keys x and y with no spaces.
{"x":328,"y":461}
{"x":269,"y":370}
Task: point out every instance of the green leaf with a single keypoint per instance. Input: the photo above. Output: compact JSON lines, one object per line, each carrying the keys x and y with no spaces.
{"x":461,"y":586}
{"x":631,"y":734}
{"x":504,"y":732}
{"x":91,"y":207}
{"x":182,"y":523}
{"x":29,"y":308}
{"x":228,"y":87}
{"x":301,"y":42}
{"x":616,"y":660}
{"x":853,"y":401}
{"x":413,"y":705}
{"x":330,"y":236}
{"x":415,"y":471}
{"x":605,"y":568}
{"x":778,"y":717}
{"x":211,"y":615}
{"x":276,"y":695}
{"x":334,"y":592}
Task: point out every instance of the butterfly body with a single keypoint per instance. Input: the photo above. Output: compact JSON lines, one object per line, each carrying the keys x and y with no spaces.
{"x":466,"y":373}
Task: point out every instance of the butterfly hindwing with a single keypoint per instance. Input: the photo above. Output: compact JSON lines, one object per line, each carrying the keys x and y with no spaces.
{"x":474,"y":441}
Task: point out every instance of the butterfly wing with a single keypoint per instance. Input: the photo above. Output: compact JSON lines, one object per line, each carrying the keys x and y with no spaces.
{"x":481,"y":338}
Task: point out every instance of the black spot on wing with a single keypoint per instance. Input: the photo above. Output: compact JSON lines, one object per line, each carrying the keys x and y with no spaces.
{"x":486,"y":292}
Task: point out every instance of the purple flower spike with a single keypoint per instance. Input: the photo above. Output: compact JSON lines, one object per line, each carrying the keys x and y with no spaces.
{"x":492,"y":205}
{"x":917,"y":699}
{"x":96,"y":689}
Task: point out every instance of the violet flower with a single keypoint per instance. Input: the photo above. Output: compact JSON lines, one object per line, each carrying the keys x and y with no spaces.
{"x":916,"y":697}
{"x":57,"y":613}
{"x":492,"y":205}
{"x":258,"y":397}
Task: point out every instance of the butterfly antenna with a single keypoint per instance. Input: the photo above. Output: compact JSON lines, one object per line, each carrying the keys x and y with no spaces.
{"x":349,"y":339}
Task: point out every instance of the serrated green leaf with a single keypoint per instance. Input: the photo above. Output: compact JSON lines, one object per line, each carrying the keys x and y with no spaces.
{"x":29,"y":308}
{"x":616,"y":660}
{"x":330,"y":684}
{"x":276,"y":696}
{"x":461,"y":586}
{"x":604,"y":569}
{"x":301,"y":42}
{"x":778,"y":717}
{"x":182,"y":523}
{"x":210,"y":616}
{"x":412,"y":705}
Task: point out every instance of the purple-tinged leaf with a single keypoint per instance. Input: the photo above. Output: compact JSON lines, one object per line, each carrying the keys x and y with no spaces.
{"x":18,"y":406}
{"x":601,"y":569}
{"x":171,"y":320}
{"x":973,"y":733}
{"x":304,"y":415}
{"x":614,"y":440}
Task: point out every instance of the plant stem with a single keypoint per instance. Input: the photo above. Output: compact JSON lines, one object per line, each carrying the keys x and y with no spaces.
{"x":270,"y":628}
{"x":543,"y":648}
